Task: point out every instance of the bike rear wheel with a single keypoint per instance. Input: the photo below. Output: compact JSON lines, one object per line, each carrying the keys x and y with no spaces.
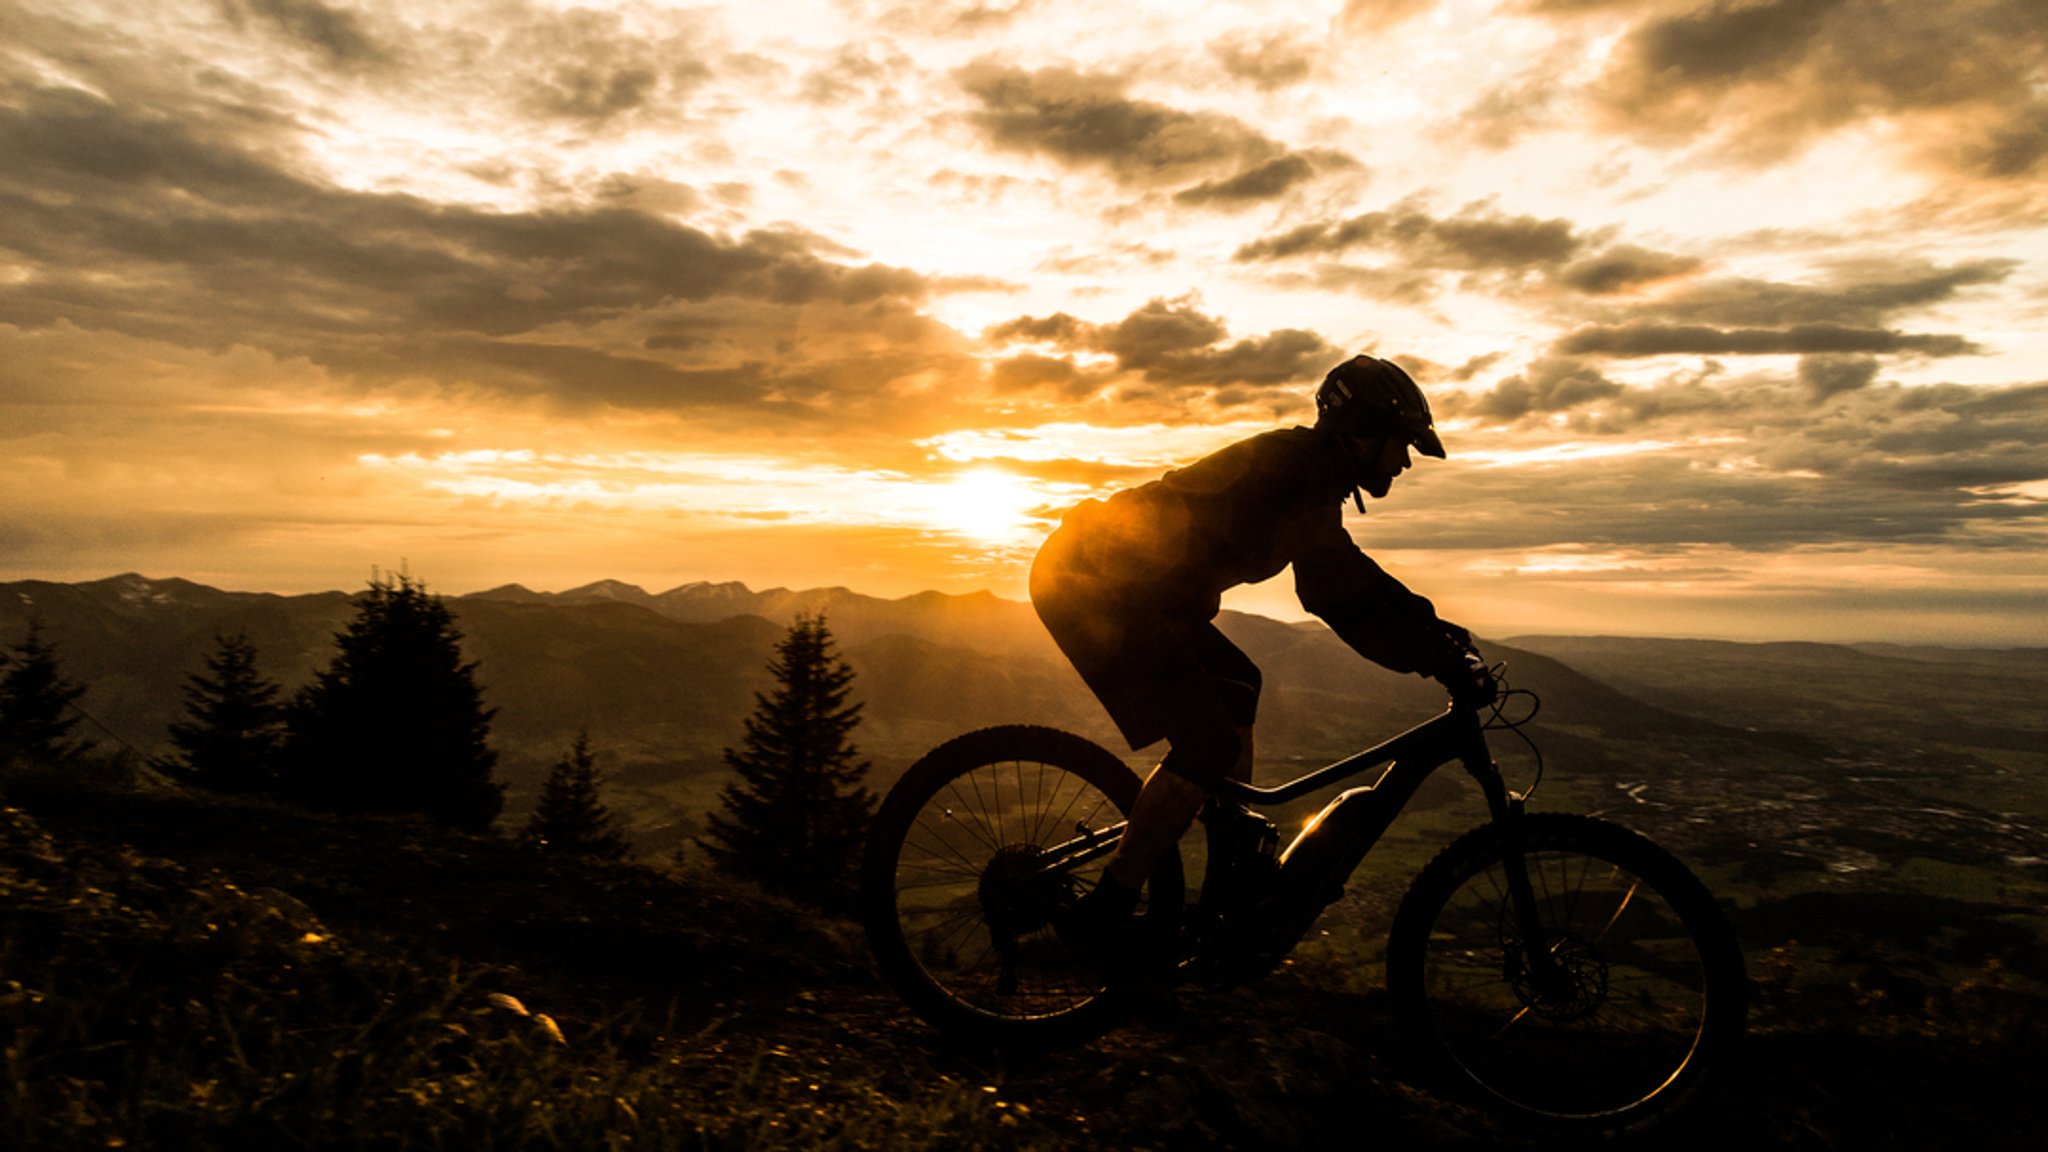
{"x":956,"y":898}
{"x":1640,"y":1002}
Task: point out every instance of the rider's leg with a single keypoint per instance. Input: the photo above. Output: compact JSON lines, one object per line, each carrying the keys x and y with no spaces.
{"x":1241,"y":771}
{"x":1207,"y":749}
{"x":1166,"y":807}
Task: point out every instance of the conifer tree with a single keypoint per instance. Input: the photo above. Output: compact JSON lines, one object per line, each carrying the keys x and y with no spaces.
{"x":396,"y":723}
{"x":36,"y":704}
{"x":795,"y":817}
{"x":571,"y":817}
{"x":233,"y":728}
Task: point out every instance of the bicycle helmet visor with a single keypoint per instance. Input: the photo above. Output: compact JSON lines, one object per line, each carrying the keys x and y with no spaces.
{"x":1368,"y":396}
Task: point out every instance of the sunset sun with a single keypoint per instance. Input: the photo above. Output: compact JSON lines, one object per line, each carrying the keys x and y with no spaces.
{"x":988,"y":505}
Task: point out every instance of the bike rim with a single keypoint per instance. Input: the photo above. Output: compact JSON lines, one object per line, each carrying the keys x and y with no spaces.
{"x":1611,"y":1021}
{"x":974,"y":912}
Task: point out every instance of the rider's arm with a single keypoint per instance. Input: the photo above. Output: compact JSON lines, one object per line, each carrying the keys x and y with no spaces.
{"x":1372,"y":611}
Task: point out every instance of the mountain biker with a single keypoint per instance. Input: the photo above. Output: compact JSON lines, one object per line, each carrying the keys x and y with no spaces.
{"x":1129,"y":587}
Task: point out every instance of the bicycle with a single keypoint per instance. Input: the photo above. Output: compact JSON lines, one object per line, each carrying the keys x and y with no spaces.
{"x":1560,"y":970}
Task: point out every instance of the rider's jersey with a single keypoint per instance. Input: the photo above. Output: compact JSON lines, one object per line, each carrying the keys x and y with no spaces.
{"x":1240,"y":515}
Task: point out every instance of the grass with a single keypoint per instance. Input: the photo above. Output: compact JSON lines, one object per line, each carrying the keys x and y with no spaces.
{"x":152,"y":1005}
{"x":179,"y":972}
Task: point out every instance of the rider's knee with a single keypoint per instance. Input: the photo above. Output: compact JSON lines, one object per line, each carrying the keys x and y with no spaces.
{"x":1241,"y":699}
{"x":1205,"y":754}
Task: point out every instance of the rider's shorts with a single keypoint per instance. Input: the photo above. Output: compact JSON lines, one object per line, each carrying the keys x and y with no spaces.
{"x":1160,"y":677}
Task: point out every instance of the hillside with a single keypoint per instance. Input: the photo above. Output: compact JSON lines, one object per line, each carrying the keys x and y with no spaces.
{"x":1875,"y":819}
{"x":194,"y":973}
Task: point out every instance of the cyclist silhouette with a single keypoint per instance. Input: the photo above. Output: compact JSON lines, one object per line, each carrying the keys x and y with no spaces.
{"x":1129,"y":588}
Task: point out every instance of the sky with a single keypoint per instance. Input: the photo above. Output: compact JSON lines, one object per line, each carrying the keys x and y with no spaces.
{"x":1731,"y":313}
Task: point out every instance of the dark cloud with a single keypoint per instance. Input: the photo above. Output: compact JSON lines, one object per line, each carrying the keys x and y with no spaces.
{"x":1478,"y":237}
{"x":1058,"y":328}
{"x":1267,"y":64}
{"x":1754,"y":462}
{"x":1828,"y":375}
{"x":1549,"y":385}
{"x":1261,"y":182}
{"x":1759,"y":80}
{"x":1860,"y":294}
{"x":1157,"y":333}
{"x":143,"y":226}
{"x":1086,"y":119}
{"x":1031,"y":373}
{"x":340,"y":36}
{"x":1174,"y":343}
{"x":1624,"y":268}
{"x":1643,"y":338}
{"x":593,"y":67}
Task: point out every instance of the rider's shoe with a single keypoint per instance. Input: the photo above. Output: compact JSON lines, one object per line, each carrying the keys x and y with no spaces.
{"x":1103,"y":932}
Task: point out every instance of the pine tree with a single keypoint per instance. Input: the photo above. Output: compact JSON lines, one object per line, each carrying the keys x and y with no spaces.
{"x":36,"y":704}
{"x":233,"y":728}
{"x":571,"y":817}
{"x":795,"y":818}
{"x":396,"y":722}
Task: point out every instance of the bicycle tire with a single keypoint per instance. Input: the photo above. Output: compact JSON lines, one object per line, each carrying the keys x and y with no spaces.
{"x":936,"y":853}
{"x":1648,"y":1012}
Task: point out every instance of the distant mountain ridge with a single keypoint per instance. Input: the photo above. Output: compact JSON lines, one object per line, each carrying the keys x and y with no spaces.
{"x":1004,"y":626}
{"x":663,"y":681}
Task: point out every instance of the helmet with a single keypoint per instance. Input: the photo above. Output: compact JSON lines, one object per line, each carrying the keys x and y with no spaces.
{"x":1368,"y":396}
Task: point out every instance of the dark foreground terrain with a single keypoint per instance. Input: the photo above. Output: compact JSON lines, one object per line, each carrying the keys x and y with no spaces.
{"x":185,"y":972}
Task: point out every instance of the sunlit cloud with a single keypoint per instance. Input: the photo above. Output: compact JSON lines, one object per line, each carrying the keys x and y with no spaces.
{"x":982,"y":504}
{"x":1137,"y":446}
{"x":1573,"y":451}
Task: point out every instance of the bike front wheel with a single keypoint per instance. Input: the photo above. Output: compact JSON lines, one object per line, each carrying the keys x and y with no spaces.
{"x":969,"y":860}
{"x":1631,"y":1003}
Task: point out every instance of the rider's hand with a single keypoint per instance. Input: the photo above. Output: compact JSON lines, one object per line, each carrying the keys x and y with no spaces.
{"x":1470,"y":681}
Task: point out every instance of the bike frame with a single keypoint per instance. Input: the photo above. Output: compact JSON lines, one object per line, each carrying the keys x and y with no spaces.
{"x":1316,"y":864}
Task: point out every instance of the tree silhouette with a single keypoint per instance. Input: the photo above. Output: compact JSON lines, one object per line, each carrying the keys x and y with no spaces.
{"x":36,"y":703}
{"x":396,"y":722}
{"x":571,"y":817}
{"x":233,"y":728}
{"x":794,"y":819}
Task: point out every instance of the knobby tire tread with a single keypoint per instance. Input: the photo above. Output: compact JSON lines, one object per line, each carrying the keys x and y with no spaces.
{"x":877,"y":902}
{"x":1694,"y":904}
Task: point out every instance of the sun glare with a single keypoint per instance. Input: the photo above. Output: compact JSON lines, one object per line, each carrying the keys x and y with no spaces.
{"x":985,"y":504}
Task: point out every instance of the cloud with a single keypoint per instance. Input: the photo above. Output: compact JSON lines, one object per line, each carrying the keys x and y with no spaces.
{"x":1264,"y":181}
{"x":1478,"y":237}
{"x":1866,"y":292}
{"x":1548,"y":385}
{"x":1625,"y":268}
{"x":339,"y":35}
{"x":137,"y":224}
{"x":1373,"y":16}
{"x":1651,"y":339}
{"x":1757,"y":81}
{"x":1267,"y":63}
{"x":1850,"y":310}
{"x":1557,"y":455}
{"x":1087,"y":120}
{"x":1829,"y":374}
{"x":1173,"y":343}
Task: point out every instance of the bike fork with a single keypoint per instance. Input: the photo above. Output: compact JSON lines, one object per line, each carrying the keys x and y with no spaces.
{"x":1545,"y":975}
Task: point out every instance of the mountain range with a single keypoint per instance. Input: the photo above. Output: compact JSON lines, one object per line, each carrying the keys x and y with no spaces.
{"x":662,"y":681}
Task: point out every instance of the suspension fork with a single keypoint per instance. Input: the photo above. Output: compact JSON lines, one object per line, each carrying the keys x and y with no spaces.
{"x":1507,"y":810}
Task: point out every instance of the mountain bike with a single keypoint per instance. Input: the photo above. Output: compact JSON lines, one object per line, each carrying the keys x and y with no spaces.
{"x":1558,"y":969}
